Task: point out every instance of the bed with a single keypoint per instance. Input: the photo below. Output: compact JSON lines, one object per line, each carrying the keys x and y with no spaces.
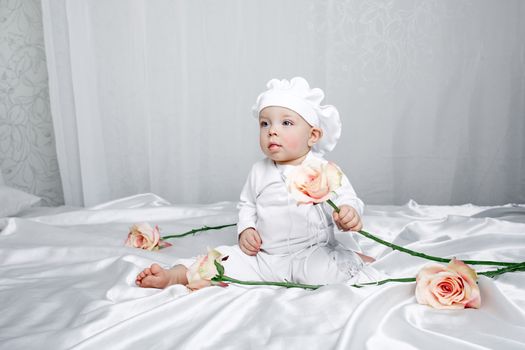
{"x":67,"y":281}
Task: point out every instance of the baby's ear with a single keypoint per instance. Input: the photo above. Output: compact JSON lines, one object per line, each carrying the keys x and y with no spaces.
{"x":315,"y":135}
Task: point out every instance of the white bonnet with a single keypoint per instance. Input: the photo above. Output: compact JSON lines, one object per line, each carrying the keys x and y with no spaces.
{"x":297,"y":96}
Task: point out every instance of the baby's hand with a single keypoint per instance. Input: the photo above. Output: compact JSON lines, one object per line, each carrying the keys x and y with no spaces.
{"x":250,"y":241}
{"x":347,"y":219}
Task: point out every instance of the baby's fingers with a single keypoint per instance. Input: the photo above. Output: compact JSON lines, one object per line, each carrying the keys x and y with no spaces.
{"x":247,"y":247}
{"x":255,"y":242}
{"x":246,"y":250}
{"x":251,"y":243}
{"x":352,"y":222}
{"x":257,"y":239}
{"x":348,"y":218}
{"x":357,"y":226}
{"x":337,"y":219}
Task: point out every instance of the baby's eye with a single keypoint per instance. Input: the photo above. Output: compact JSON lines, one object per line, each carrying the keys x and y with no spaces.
{"x":287,"y":123}
{"x":263,"y":124}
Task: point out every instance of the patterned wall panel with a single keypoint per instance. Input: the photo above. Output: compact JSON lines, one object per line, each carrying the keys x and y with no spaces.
{"x":27,"y":150}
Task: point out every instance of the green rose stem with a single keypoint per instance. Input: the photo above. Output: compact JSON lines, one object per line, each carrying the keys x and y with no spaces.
{"x":304,"y":286}
{"x":434,"y":258}
{"x":268,"y":283}
{"x":422,"y":255}
{"x":378,"y":283}
{"x":220,"y":277}
{"x":223,"y":278}
{"x":491,"y":274}
{"x":194,"y":231}
{"x":332,"y":204}
{"x":372,"y":237}
{"x":494,"y":273}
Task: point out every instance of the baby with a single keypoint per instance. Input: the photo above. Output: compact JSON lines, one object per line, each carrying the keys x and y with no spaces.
{"x":286,"y":241}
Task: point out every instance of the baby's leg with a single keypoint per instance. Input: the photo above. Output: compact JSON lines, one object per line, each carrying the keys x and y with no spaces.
{"x":158,"y":277}
{"x":325,"y":265}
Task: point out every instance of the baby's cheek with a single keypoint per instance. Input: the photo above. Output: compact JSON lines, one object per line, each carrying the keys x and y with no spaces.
{"x":292,"y":142}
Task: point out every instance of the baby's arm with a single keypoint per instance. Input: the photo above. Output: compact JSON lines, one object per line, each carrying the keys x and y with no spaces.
{"x":351,"y":207}
{"x":249,"y":238}
{"x":348,"y":219}
{"x":250,"y":241}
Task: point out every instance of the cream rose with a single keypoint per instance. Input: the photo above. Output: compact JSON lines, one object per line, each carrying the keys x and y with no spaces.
{"x":143,"y":236}
{"x":448,"y":287}
{"x":314,"y":181}
{"x":201,"y":272}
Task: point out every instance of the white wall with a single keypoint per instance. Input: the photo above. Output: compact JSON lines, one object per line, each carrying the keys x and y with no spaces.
{"x":432,"y":95}
{"x":27,"y":150}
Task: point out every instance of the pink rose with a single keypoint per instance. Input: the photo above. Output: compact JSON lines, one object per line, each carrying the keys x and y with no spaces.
{"x":448,"y":287}
{"x":203,"y":270}
{"x":143,"y":236}
{"x":314,"y":181}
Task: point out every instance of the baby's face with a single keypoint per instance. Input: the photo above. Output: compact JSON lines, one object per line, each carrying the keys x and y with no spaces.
{"x":285,"y":137}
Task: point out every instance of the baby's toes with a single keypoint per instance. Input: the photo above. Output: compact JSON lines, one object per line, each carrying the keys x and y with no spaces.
{"x":155,"y":269}
{"x":153,"y":282}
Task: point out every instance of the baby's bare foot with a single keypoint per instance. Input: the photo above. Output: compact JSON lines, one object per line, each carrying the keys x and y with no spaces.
{"x":153,"y":277}
{"x":366,"y":259}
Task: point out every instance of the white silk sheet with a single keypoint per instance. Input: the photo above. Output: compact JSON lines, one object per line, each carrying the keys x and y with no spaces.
{"x":67,"y":281}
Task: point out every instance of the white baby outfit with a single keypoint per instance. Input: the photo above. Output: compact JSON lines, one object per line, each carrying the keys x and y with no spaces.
{"x":298,"y":242}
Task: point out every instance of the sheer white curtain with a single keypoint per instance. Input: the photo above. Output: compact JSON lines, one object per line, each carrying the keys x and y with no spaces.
{"x":155,"y":96}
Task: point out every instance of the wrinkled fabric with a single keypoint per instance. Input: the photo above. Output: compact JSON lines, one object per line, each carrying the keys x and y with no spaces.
{"x":67,"y":281}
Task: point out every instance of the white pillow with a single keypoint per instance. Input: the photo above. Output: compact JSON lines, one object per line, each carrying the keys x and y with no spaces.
{"x":13,"y":201}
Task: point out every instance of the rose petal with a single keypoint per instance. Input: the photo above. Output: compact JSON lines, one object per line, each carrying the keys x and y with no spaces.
{"x":163,"y":244}
{"x":313,"y":181}
{"x":447,"y":287}
{"x":334,"y":176}
{"x":204,"y":266}
{"x":463,"y":270}
{"x":198,"y":284}
{"x":299,"y":196}
{"x":143,"y":236}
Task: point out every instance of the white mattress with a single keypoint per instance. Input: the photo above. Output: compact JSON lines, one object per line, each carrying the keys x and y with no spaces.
{"x":67,"y":281}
